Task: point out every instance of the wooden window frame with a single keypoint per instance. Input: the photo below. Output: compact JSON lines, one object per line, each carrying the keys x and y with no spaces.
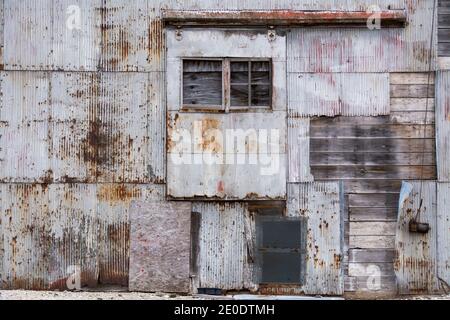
{"x":226,"y":106}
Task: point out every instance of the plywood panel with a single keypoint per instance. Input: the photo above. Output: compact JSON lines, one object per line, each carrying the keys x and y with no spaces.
{"x":160,"y":246}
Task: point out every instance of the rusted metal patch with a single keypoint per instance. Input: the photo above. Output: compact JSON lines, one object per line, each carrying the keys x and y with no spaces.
{"x":82,"y":127}
{"x":393,"y":18}
{"x":415,"y":264}
{"x":298,"y":150}
{"x":53,"y":234}
{"x":83,"y":35}
{"x":320,"y":204}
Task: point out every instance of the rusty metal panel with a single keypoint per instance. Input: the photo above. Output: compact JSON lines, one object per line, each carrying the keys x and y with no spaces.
{"x":23,"y":213}
{"x":160,"y":238}
{"x":223,"y":246}
{"x":81,"y":127}
{"x":331,"y":94}
{"x":113,"y":226}
{"x":415,"y":264}
{"x":83,"y":35}
{"x":442,"y":110}
{"x":208,"y":152}
{"x":70,"y":244}
{"x":52,"y":35}
{"x":56,"y":231}
{"x":365,"y":50}
{"x":24,"y":118}
{"x":49,"y":235}
{"x":298,"y":150}
{"x":443,"y":231}
{"x":132,"y":36}
{"x":2,"y":37}
{"x":320,"y":204}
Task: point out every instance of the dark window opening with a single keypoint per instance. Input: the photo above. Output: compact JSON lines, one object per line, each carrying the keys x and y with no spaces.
{"x":281,"y":243}
{"x":227,"y":84}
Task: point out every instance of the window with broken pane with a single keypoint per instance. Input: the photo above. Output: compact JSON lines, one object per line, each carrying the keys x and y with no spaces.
{"x":227,"y":84}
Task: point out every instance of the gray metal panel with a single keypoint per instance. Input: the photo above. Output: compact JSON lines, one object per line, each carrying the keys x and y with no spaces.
{"x":443,"y":125}
{"x":443,"y":231}
{"x":113,"y":226}
{"x":298,"y":150}
{"x":197,"y":164}
{"x":331,"y":94}
{"x":415,"y":264}
{"x":82,"y":127}
{"x":319,"y":203}
{"x":131,"y":36}
{"x":223,"y":261}
{"x":364,"y":50}
{"x":50,"y":232}
{"x":160,"y":246}
{"x":83,"y":35}
{"x":24,"y":125}
{"x":41,"y":35}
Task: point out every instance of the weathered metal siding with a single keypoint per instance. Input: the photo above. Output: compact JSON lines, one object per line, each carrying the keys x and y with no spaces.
{"x":331,"y":94}
{"x":415,"y":264}
{"x":48,"y":231}
{"x":82,"y":127}
{"x":320,"y":204}
{"x":364,"y":50}
{"x":443,"y":232}
{"x":201,"y":176}
{"x":443,"y":125}
{"x":298,"y":150}
{"x":223,"y":259}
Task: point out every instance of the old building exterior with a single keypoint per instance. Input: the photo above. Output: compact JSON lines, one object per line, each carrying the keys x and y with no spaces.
{"x":276,"y":147}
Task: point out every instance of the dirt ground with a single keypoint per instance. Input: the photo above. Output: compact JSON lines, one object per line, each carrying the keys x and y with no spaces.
{"x":122,"y":295}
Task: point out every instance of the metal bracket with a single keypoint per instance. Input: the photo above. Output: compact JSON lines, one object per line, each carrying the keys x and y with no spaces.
{"x":179,"y":33}
{"x":271,"y":34}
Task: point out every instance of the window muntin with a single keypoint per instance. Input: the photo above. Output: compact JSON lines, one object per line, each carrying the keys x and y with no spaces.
{"x":203,"y":83}
{"x":227,"y":84}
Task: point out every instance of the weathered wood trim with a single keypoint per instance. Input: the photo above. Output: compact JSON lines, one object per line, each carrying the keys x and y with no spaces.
{"x":388,"y":18}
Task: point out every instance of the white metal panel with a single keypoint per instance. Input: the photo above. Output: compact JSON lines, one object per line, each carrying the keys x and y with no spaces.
{"x":227,"y":156}
{"x":331,"y":94}
{"x":415,"y":264}
{"x":298,"y":150}
{"x":211,"y":43}
{"x":320,"y":204}
{"x":443,"y":125}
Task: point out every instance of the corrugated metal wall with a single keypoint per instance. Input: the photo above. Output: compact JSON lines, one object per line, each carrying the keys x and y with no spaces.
{"x":83,"y":111}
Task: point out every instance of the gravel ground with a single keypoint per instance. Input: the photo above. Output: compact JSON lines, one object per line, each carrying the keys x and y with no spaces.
{"x":122,"y":295}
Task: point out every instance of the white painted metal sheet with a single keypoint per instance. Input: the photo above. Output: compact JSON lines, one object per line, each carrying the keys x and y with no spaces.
{"x":298,"y":150}
{"x":331,"y":94}
{"x":227,"y":156}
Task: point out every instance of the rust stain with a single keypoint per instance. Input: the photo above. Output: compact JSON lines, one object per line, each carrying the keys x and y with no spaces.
{"x":210,"y":142}
{"x":117,"y":193}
